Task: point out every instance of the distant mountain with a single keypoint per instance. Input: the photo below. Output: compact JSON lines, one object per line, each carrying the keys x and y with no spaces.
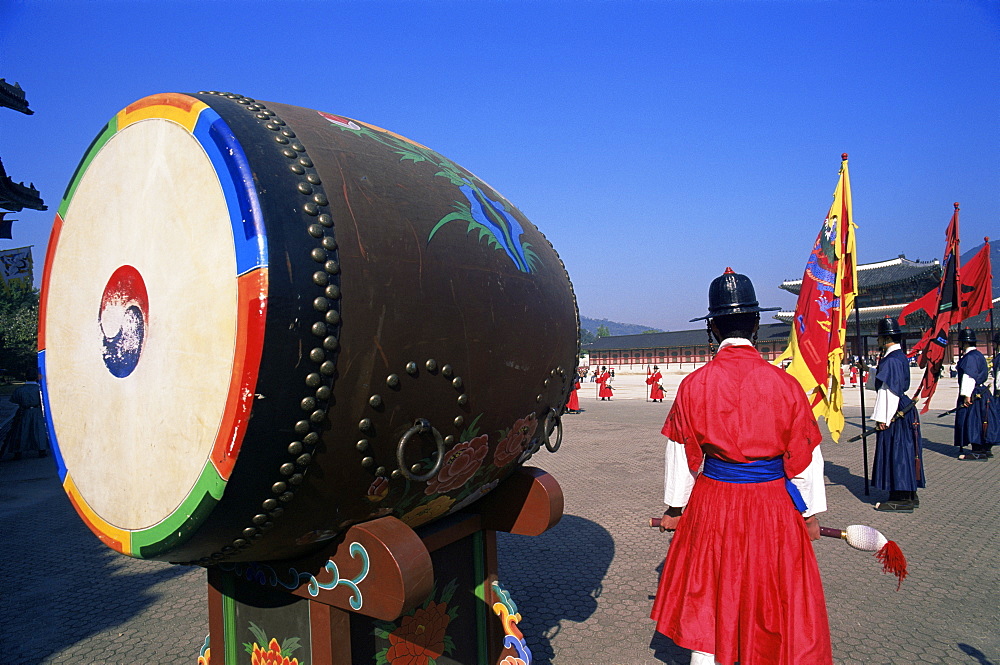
{"x":613,"y":327}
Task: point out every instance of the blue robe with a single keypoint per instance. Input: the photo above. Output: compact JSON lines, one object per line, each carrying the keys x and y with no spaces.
{"x":970,"y":421}
{"x":27,"y":432}
{"x":993,"y":416}
{"x":898,"y":464}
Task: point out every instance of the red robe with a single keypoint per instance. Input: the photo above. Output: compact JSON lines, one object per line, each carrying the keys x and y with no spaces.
{"x":605,"y":390}
{"x":573,"y":403}
{"x":656,"y":392}
{"x":740,"y":579}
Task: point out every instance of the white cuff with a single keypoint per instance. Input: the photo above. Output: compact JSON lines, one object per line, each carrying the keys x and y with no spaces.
{"x":678,"y":481}
{"x":886,"y":404}
{"x":967,"y":386}
{"x":812,"y":486}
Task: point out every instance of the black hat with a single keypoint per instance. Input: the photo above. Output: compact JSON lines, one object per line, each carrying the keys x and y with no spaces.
{"x":967,"y":335}
{"x":888,"y":327}
{"x":996,"y":339}
{"x":655,"y":367}
{"x":732,"y":293}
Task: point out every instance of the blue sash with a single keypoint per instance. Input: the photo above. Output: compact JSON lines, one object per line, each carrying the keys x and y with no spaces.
{"x":758,"y":471}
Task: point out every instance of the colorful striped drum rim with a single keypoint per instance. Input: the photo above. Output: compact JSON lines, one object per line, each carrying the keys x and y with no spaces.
{"x":189,"y":309}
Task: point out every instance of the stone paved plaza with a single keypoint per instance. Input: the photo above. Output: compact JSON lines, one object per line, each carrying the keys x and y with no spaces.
{"x":584,"y":588}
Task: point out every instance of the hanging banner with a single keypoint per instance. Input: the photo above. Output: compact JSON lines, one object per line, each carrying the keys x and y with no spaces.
{"x":15,"y":268}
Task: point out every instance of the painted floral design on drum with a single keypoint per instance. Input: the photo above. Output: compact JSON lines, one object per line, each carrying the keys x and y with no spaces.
{"x":469,"y":472}
{"x":490,"y":217}
{"x":420,"y":637}
{"x":379,"y":489}
{"x":460,"y":464}
{"x":427,"y":512}
{"x":516,"y":442}
{"x":474,"y":496}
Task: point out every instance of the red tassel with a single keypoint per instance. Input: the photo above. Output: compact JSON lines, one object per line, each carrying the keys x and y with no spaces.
{"x":893,"y":561}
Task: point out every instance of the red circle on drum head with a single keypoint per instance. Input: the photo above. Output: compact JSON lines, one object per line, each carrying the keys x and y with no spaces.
{"x":123,"y":317}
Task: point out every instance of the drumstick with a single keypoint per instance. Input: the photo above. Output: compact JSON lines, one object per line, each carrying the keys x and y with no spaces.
{"x":864,"y":538}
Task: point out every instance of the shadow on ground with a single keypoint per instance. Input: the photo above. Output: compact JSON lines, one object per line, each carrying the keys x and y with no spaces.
{"x":666,"y":651}
{"x":841,"y":475}
{"x":975,"y":653}
{"x":552,"y":583}
{"x":53,"y":567}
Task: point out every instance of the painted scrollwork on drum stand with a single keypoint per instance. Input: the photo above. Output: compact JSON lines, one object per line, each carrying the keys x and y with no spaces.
{"x":268,"y":576}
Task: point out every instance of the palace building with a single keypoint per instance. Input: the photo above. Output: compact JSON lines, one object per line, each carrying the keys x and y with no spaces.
{"x":884,"y":288}
{"x":15,"y":196}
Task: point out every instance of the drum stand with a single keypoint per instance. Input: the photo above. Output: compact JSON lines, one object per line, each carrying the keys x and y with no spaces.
{"x":384,"y":592}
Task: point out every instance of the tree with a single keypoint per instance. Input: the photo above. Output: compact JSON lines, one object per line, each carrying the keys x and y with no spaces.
{"x":19,"y":329}
{"x":586,"y":337}
{"x":602,"y":331}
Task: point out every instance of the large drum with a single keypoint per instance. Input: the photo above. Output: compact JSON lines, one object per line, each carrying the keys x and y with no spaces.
{"x":261,"y":324}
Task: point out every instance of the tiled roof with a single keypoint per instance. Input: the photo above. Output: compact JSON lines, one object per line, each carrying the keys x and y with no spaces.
{"x":12,"y":96}
{"x":885,"y":274}
{"x":18,"y":196}
{"x":914,"y":322}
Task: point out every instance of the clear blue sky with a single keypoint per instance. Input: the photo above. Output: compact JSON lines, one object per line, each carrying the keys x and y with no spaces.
{"x":654,"y":143}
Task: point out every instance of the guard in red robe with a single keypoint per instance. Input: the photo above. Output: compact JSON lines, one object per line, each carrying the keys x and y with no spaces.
{"x":740,"y":582}
{"x":605,"y":391}
{"x":573,"y":403}
{"x":653,"y":380}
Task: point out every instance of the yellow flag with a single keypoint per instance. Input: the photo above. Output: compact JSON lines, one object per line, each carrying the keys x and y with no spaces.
{"x":819,"y":327}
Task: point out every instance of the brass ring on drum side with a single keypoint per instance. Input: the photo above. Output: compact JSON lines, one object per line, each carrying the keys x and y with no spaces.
{"x":420,"y":426}
{"x":546,"y":431}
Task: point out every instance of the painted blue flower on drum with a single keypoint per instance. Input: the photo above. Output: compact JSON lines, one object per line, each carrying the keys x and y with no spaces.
{"x":122,"y":319}
{"x":491,"y":217}
{"x":492,"y":220}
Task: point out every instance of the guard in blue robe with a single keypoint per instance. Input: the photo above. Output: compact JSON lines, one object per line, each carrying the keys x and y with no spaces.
{"x":898,"y":465}
{"x":993,"y":418}
{"x":974,"y":399}
{"x":27,"y":432}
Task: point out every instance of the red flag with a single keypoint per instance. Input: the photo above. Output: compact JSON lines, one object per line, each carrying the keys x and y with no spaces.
{"x":946,"y":315}
{"x":925,"y":303}
{"x":977,"y":284}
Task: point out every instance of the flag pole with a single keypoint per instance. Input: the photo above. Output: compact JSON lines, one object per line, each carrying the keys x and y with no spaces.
{"x":861,"y":384}
{"x":993,"y":349}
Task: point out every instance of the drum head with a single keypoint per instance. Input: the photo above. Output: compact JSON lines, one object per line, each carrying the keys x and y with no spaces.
{"x":149,"y":338}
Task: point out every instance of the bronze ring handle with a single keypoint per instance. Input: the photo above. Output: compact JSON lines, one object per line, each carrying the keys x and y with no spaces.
{"x":421,"y":426}
{"x":547,"y":430}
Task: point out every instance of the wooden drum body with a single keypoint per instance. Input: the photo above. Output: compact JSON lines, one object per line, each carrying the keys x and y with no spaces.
{"x":261,"y":324}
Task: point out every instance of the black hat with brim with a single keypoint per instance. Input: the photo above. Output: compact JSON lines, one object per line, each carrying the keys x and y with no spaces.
{"x":887,"y":327}
{"x":732,"y":293}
